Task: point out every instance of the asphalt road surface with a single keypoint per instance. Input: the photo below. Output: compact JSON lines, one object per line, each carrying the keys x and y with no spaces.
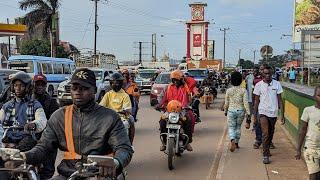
{"x":150,"y":164}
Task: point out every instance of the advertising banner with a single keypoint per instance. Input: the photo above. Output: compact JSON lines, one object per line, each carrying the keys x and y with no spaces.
{"x":196,"y":40}
{"x":306,"y":17}
{"x":211,"y":49}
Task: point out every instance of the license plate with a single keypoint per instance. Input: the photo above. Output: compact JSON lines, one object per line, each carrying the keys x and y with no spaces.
{"x":173,"y":126}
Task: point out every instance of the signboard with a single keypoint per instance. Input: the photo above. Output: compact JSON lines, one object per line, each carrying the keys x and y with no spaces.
{"x":306,"y":17}
{"x":196,"y":40}
{"x":211,"y":49}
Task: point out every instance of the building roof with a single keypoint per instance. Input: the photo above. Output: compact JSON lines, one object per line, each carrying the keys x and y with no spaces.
{"x":12,"y":29}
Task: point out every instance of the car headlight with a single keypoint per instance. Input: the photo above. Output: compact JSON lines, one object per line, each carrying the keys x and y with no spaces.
{"x":174,"y":117}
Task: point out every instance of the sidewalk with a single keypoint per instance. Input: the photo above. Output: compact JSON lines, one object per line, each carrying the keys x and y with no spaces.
{"x":246,"y":162}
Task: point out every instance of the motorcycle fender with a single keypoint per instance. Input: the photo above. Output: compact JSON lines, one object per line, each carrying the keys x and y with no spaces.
{"x":171,"y":136}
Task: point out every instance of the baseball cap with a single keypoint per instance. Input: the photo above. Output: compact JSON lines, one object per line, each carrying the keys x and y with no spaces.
{"x":84,"y":77}
{"x":40,"y":77}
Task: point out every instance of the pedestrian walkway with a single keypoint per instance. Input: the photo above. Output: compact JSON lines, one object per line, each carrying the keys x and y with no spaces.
{"x":246,"y":163}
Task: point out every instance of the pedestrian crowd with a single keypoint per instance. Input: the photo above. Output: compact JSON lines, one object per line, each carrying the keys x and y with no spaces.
{"x":257,"y":95}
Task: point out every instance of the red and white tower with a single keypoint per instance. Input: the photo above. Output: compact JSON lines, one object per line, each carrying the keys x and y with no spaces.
{"x":197,"y":33}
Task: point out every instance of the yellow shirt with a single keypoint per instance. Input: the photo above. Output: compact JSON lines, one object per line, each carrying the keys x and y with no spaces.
{"x":243,"y":84}
{"x":118,"y":101}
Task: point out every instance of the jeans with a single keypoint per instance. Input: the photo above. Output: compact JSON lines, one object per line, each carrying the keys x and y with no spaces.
{"x":258,"y":131}
{"x":235,"y":119}
{"x":267,"y":127}
{"x":48,"y":169}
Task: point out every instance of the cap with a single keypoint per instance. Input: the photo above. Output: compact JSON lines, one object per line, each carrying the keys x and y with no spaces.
{"x":84,"y":77}
{"x":40,"y":77}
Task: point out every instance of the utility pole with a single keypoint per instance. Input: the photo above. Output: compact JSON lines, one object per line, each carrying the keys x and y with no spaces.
{"x":140,"y":53}
{"x":96,"y":28}
{"x":254,"y":56}
{"x":239,"y":54}
{"x":224,"y":44}
{"x":154,"y":47}
{"x":9,"y":42}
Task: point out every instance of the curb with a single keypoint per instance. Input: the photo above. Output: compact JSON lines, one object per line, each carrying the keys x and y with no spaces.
{"x":216,"y":162}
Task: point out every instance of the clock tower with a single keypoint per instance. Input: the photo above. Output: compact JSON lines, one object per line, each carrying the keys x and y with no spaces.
{"x":197,"y":33}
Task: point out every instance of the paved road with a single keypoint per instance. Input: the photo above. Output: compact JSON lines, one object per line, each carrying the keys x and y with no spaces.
{"x":151,"y":164}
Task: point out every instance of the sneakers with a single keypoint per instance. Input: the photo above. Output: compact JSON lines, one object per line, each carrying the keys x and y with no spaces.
{"x":189,"y":147}
{"x":256,"y":145}
{"x":272,"y":146}
{"x":232,"y":146}
{"x":162,"y":148}
{"x":266,"y":160}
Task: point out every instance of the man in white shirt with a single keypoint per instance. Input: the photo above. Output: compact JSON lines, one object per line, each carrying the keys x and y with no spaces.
{"x":267,"y":103}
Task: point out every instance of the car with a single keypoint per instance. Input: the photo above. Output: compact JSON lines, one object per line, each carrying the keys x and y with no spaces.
{"x":102,"y":82}
{"x":161,"y":82}
{"x":143,"y":79}
{"x":198,"y":74}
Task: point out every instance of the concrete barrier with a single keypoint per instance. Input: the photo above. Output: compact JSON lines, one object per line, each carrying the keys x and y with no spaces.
{"x":295,"y":99}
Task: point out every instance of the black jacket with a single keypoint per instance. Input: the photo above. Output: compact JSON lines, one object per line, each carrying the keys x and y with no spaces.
{"x":49,"y":104}
{"x":96,"y":130}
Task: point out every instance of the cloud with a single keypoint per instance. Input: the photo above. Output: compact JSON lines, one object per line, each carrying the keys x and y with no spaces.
{"x":242,"y":2}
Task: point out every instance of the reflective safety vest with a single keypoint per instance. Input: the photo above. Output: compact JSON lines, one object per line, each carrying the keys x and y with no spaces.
{"x":70,"y":154}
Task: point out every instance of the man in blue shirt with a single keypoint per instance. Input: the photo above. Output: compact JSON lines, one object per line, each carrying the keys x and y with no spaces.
{"x":22,"y":111}
{"x":292,"y":75}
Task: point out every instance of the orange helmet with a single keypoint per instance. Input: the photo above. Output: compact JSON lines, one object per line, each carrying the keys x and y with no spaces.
{"x":176,"y":74}
{"x":174,"y":106}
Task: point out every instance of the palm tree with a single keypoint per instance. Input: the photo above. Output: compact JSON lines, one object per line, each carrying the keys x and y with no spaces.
{"x":45,"y":12}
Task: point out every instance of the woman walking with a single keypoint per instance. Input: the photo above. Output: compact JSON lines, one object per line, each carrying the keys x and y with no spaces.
{"x":236,"y":106}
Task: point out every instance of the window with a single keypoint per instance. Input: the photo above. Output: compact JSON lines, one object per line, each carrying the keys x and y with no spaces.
{"x":26,"y":66}
{"x":58,"y":69}
{"x":39,"y":68}
{"x":50,"y":69}
{"x":66,"y":69}
{"x":44,"y":68}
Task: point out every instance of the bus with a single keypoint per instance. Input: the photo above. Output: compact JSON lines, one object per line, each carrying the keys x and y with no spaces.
{"x":55,"y":69}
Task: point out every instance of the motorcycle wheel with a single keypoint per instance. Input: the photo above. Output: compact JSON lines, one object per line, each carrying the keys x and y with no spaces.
{"x":170,"y":153}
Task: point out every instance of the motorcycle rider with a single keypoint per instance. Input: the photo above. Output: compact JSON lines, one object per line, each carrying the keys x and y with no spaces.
{"x":24,"y":111}
{"x":192,"y":85}
{"x":177,"y":90}
{"x":210,"y":81}
{"x":118,"y":100}
{"x":81,"y":129}
{"x":49,"y":105}
{"x":133,"y":90}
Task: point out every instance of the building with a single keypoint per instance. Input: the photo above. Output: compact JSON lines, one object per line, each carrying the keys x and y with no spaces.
{"x":104,"y":60}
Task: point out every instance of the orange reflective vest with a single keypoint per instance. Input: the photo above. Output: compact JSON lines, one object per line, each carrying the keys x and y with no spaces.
{"x":70,"y":153}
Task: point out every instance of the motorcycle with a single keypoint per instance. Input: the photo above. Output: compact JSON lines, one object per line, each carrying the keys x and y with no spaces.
{"x":22,"y":172}
{"x":128,"y":122}
{"x":90,"y":168}
{"x":223,"y":85}
{"x":176,"y":138}
{"x":208,"y":96}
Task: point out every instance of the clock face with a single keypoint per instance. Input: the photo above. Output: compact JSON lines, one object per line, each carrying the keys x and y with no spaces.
{"x":197,"y":13}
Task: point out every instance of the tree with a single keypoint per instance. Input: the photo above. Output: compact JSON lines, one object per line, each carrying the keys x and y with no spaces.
{"x":246,"y":64}
{"x":42,"y":11}
{"x":275,"y":61}
{"x":41,"y":48}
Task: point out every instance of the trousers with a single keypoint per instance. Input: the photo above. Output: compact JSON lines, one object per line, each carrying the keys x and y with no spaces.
{"x":235,"y":119}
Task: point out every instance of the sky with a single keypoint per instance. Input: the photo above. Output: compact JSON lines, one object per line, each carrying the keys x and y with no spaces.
{"x":252,"y":23}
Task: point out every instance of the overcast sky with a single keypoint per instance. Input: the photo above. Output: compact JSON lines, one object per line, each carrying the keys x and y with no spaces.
{"x":252,"y":23}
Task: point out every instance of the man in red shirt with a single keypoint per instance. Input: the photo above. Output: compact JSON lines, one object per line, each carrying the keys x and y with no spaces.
{"x":177,"y":90}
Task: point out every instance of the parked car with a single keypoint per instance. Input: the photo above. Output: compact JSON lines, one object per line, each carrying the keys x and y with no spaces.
{"x":143,"y":79}
{"x":161,"y":82}
{"x":198,"y":74}
{"x":102,"y":81}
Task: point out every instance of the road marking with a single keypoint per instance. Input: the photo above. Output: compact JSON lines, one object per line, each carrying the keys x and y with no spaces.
{"x":217,"y":159}
{"x":222,"y":161}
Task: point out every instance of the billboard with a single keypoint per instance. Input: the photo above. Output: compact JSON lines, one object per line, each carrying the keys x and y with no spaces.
{"x":211,"y":49}
{"x":306,"y":17}
{"x":197,"y":40}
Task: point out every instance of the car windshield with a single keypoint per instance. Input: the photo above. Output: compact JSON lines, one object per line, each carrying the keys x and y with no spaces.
{"x":163,"y":79}
{"x":146,"y":75}
{"x":98,"y":75}
{"x":197,"y":73}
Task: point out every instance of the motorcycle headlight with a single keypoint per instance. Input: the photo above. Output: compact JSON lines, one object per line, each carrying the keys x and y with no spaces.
{"x":174,"y":117}
{"x":206,"y":89}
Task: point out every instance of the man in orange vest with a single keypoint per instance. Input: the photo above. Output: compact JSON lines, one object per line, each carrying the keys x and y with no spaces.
{"x":81,"y":129}
{"x":177,"y":90}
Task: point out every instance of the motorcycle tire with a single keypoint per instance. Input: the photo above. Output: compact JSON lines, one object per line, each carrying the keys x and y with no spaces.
{"x":170,"y":147}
